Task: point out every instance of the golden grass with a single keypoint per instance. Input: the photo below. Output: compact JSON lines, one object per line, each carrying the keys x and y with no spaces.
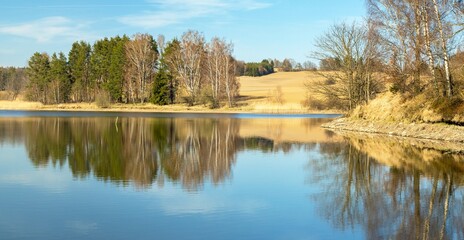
{"x":282,"y":130}
{"x":291,"y":83}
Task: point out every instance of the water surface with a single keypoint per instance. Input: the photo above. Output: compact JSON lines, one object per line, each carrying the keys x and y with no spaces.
{"x":235,"y":176}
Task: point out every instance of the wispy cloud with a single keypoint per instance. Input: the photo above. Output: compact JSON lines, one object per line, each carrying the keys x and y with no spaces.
{"x":46,"y":29}
{"x":48,"y":180}
{"x":168,"y":12}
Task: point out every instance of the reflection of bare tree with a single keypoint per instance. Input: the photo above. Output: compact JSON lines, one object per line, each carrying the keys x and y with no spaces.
{"x":201,"y":148}
{"x":137,"y":150}
{"x":405,"y":197}
{"x":141,"y":162}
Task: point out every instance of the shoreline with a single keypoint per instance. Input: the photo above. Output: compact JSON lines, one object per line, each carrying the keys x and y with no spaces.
{"x":424,"y":131}
{"x":151,"y":108}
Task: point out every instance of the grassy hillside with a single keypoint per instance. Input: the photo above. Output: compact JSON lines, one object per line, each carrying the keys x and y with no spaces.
{"x":260,"y":93}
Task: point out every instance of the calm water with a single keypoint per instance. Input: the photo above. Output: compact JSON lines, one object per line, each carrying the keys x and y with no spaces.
{"x":187,"y":176}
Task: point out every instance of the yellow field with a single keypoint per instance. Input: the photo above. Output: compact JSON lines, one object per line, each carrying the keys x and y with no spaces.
{"x":291,"y":83}
{"x":259,"y":91}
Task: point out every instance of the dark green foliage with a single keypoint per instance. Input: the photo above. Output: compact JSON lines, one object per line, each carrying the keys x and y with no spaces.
{"x":100,"y":61}
{"x":39,"y":76}
{"x":168,"y":53}
{"x":259,"y":69}
{"x":60,"y":83}
{"x":161,"y":89}
{"x":107,"y":64}
{"x":79,"y":64}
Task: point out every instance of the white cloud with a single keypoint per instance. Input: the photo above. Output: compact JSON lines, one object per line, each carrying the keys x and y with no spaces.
{"x":176,"y":11}
{"x":51,"y":180}
{"x":46,"y":29}
{"x":175,"y":201}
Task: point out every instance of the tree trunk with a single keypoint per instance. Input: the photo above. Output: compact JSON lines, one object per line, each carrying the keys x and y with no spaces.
{"x":428,"y":46}
{"x":444,"y":48}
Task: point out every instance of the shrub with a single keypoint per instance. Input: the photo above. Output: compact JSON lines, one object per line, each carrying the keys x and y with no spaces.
{"x":276,"y":96}
{"x":314,"y":104}
{"x":103,"y":99}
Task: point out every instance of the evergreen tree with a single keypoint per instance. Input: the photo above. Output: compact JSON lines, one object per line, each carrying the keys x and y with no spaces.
{"x":100,"y":60}
{"x":38,"y":72}
{"x":79,"y":64}
{"x":116,"y":68}
{"x":169,"y":53}
{"x":60,"y":84}
{"x":161,"y":89}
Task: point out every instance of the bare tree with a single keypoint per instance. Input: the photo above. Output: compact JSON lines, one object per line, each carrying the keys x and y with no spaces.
{"x":353,"y":84}
{"x":142,"y":57}
{"x":441,"y":9}
{"x":397,"y":24}
{"x":414,"y":32}
{"x":186,"y":62}
{"x":232,"y":85}
{"x":221,"y":71}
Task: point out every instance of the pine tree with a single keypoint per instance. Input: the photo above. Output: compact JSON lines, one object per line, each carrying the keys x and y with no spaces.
{"x":116,"y":68}
{"x":60,"y":84}
{"x":79,"y":64}
{"x":161,"y":90}
{"x":38,"y":72}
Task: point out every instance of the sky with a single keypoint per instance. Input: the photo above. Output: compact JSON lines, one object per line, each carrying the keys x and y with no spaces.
{"x":258,"y":29}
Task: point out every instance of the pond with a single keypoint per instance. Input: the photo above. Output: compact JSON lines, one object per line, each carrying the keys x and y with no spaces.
{"x":219,"y":176}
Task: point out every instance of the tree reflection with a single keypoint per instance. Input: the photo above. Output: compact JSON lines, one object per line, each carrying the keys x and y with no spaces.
{"x":138,"y":150}
{"x":392,"y":189}
{"x":147,"y":150}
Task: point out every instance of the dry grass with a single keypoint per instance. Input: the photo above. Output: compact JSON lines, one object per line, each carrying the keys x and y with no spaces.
{"x":422,"y":108}
{"x":18,"y":104}
{"x":292,"y":85}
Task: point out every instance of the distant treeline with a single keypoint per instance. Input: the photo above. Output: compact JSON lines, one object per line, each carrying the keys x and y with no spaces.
{"x":137,"y":69}
{"x":268,"y":66}
{"x":12,"y":81}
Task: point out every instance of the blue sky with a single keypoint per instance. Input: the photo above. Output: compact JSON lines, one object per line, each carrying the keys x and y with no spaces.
{"x":258,"y":28}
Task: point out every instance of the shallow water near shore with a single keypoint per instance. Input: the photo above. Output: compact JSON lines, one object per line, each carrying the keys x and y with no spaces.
{"x":218,"y":176}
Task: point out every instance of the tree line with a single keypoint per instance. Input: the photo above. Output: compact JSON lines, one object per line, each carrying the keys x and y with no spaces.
{"x":137,"y":69}
{"x":408,"y":45}
{"x":268,"y":66}
{"x":12,"y":81}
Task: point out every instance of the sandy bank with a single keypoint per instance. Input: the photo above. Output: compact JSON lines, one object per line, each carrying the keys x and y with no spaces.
{"x":412,"y":130}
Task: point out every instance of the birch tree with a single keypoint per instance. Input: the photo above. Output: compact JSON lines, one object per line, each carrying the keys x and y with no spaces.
{"x":441,"y":9}
{"x":186,"y":61}
{"x":426,"y":31}
{"x":221,"y":71}
{"x":142,"y":56}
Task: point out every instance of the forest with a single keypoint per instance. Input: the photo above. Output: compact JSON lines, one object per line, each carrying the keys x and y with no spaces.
{"x":136,"y":69}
